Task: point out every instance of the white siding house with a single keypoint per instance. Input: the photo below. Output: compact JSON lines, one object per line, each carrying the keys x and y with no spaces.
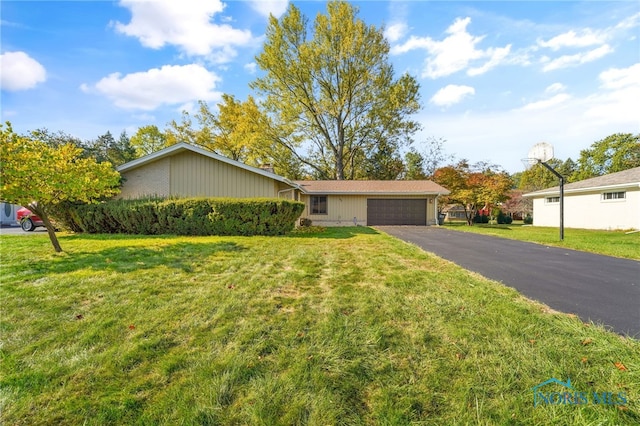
{"x":605,"y":202}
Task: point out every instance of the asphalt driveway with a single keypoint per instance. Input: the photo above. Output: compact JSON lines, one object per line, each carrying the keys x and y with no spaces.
{"x":602,"y":289}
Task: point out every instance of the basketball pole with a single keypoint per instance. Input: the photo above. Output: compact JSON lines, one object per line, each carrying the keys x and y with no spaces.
{"x":561,"y":197}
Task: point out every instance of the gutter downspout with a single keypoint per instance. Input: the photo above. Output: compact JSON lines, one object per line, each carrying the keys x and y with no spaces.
{"x":285,"y":190}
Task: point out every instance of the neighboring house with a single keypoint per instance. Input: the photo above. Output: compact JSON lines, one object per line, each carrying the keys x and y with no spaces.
{"x":605,"y":202}
{"x":184,"y":170}
{"x":371,"y":202}
{"x":454,"y":212}
{"x":8,"y":214}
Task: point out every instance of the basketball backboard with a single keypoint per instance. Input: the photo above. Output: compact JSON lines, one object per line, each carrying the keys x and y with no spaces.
{"x":541,"y":152}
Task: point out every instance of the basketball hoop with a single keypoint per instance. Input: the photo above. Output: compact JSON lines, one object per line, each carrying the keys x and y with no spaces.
{"x":540,"y":153}
{"x":529,"y":162}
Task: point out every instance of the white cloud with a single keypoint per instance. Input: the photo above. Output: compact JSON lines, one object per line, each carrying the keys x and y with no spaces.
{"x":576,"y":59}
{"x":617,"y":78}
{"x":270,"y":7}
{"x":555,"y":88}
{"x":19,"y":71}
{"x":618,"y":102}
{"x":396,"y":31}
{"x":455,"y":53}
{"x":547,"y":103}
{"x":496,"y":57}
{"x":169,"y":85}
{"x":251,"y":67}
{"x":586,"y":38}
{"x":185,"y":24}
{"x":451,"y":95}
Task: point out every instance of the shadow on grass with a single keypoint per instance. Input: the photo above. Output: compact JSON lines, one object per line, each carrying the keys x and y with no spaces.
{"x":123,"y":259}
{"x":334,"y":232}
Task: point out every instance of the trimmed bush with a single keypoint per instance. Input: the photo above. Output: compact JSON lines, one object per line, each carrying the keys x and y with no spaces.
{"x":481,"y":218}
{"x":504,"y":219}
{"x":184,"y":216}
{"x":528,"y":220}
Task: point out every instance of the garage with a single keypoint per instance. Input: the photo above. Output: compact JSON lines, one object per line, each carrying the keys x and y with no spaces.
{"x":390,"y":211}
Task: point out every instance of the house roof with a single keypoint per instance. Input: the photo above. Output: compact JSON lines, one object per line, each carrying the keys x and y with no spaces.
{"x":372,"y":187}
{"x":625,"y":179}
{"x":182,"y":147}
{"x":380,"y":187}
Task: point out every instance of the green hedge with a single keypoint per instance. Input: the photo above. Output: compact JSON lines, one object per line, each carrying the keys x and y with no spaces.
{"x":184,"y":216}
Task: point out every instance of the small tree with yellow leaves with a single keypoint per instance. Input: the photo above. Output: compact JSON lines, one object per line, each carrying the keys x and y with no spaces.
{"x":39,"y":177}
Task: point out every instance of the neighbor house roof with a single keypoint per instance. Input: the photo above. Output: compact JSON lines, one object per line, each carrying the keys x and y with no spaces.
{"x":372,"y":187}
{"x":625,"y":179}
{"x":183,"y":147}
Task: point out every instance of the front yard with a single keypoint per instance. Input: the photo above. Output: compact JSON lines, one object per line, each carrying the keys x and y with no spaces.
{"x":610,"y":243}
{"x":349,"y":326}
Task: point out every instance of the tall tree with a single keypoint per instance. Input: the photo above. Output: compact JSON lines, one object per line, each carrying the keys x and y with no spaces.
{"x":239,"y":130}
{"x":473,"y":186}
{"x":334,"y":92}
{"x":39,"y":176}
{"x":414,"y":166}
{"x":102,"y":147}
{"x":147,"y":140}
{"x":55,"y":139}
{"x":121,"y":151}
{"x":615,"y":153}
{"x":539,"y":177}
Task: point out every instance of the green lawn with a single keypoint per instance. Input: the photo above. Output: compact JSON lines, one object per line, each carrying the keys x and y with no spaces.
{"x":348,"y":326}
{"x":611,"y":243}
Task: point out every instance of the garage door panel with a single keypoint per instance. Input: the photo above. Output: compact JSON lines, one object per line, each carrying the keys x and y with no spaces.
{"x":396,"y":211}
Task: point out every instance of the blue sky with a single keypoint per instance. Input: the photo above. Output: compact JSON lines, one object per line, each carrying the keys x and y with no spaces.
{"x":496,"y":77}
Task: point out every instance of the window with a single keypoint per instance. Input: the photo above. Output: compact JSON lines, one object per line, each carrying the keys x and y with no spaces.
{"x":318,"y":204}
{"x":607,"y":196}
{"x":552,"y":199}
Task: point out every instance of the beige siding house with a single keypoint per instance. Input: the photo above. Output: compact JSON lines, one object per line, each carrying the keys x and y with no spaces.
{"x":605,"y":202}
{"x":367,"y":202}
{"x":184,"y":170}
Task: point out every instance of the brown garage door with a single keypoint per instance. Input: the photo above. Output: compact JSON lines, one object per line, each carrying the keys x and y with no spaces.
{"x":396,"y":211}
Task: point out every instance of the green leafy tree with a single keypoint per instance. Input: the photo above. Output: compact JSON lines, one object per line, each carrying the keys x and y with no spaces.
{"x":55,"y":139}
{"x":99,"y":147}
{"x":330,"y":93}
{"x":539,"y":177}
{"x":414,"y":166}
{"x":239,"y":130}
{"x":121,"y":151}
{"x":615,"y":153}
{"x":473,"y":187}
{"x":149,"y":139}
{"x":41,"y":177}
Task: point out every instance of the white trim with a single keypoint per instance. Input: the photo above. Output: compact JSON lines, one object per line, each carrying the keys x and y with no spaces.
{"x":606,"y":188}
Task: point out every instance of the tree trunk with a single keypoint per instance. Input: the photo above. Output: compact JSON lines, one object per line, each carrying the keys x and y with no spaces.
{"x":42,"y":214}
{"x":468,"y":213}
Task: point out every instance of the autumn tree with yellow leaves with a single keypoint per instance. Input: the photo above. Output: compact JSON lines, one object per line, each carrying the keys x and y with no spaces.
{"x":41,"y":177}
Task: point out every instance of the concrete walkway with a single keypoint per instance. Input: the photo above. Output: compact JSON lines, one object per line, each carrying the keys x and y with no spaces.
{"x":602,"y":289}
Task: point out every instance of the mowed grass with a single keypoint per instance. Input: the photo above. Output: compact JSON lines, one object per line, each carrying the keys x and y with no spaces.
{"x":610,"y":243}
{"x":344,"y":327}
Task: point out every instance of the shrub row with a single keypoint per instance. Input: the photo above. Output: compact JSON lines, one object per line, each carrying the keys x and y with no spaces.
{"x":184,"y":216}
{"x":501,"y":218}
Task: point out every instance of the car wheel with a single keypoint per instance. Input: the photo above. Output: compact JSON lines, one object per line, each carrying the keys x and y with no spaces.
{"x":27,"y":225}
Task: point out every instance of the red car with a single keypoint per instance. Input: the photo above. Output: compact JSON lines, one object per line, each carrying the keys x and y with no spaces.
{"x":28,"y":221}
